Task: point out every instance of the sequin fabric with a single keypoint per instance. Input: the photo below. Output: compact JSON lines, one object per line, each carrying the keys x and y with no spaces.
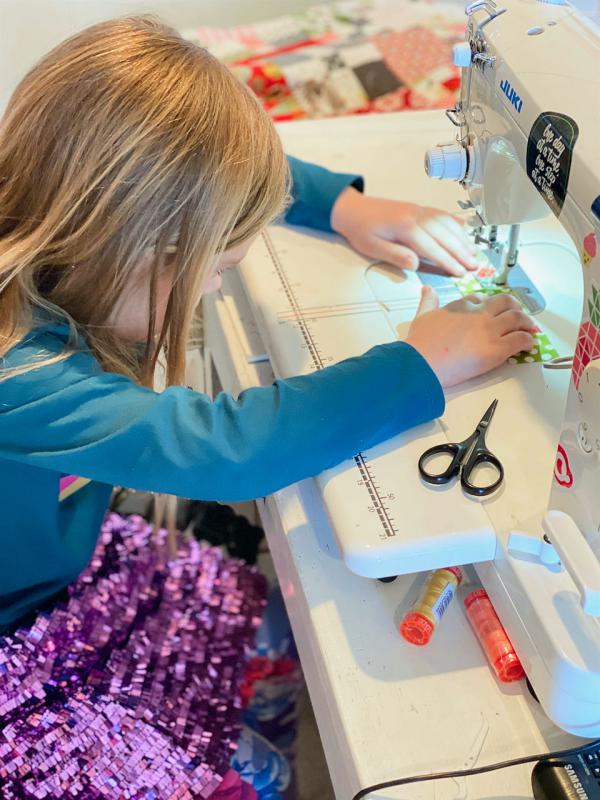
{"x":131,"y":688}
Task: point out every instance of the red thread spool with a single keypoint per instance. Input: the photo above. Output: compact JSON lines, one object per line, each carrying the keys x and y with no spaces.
{"x":492,"y":637}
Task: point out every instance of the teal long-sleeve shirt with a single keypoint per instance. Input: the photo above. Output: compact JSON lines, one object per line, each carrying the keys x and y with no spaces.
{"x":73,"y":418}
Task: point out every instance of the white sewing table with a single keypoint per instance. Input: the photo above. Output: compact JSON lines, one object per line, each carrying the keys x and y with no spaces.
{"x":384,"y":709}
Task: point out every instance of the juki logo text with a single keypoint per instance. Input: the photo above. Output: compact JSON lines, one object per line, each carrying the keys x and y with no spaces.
{"x":511,"y":94}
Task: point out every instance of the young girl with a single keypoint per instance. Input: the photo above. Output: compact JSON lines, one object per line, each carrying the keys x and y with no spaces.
{"x":133,"y":170}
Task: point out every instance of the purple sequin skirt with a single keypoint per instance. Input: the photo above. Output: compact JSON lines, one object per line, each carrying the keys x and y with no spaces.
{"x":131,"y":688}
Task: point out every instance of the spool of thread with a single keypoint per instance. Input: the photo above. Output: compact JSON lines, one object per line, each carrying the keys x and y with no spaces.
{"x":420,"y":622}
{"x":492,"y":637}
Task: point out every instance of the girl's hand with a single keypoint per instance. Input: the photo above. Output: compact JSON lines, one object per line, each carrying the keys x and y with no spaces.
{"x":470,"y":336}
{"x":402,"y":233}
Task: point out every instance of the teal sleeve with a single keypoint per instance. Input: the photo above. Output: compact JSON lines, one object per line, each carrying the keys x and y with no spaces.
{"x":74,"y":418}
{"x":314,"y":192}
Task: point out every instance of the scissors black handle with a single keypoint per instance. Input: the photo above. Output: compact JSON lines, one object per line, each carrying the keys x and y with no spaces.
{"x":480,"y":455}
{"x":466,"y":457}
{"x":437,"y":478}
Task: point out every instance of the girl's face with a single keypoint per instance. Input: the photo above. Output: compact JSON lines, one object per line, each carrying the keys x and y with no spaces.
{"x":130,"y":317}
{"x":227,"y":259}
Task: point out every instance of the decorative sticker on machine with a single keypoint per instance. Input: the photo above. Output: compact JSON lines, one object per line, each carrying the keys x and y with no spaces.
{"x":586,"y":350}
{"x":562,"y":468}
{"x":590,"y":248}
{"x":594,"y":307}
{"x":588,"y":338}
{"x":549,"y":155}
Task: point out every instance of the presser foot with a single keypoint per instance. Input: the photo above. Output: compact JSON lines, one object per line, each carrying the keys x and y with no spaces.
{"x":502,"y":255}
{"x":521,"y":285}
{"x":514,"y":278}
{"x":518,"y":283}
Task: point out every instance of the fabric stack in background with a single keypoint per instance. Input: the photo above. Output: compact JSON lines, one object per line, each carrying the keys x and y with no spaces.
{"x":351,"y":57}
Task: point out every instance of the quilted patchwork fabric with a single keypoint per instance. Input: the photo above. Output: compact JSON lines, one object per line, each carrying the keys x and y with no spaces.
{"x":346,"y":58}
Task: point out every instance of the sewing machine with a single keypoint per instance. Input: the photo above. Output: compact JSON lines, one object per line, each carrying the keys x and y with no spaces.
{"x":301,"y":302}
{"x":384,"y":707}
{"x":528,"y":143}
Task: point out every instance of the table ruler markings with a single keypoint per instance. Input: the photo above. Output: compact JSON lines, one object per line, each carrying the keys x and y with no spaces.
{"x":366,"y":471}
{"x":446,"y":293}
{"x":378,"y":504}
{"x":367,"y":307}
{"x":296,"y":310}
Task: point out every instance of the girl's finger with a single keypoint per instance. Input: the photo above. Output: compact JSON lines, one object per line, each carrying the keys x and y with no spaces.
{"x":453,"y":243}
{"x":516,"y":342}
{"x":500,"y":303}
{"x":512,"y":320}
{"x":429,"y":301}
{"x":396,"y":254}
{"x":427,"y":247}
{"x":477,"y":298}
{"x":458,"y":229}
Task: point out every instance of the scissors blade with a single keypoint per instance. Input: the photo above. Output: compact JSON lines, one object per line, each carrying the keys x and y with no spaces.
{"x":487,"y":417}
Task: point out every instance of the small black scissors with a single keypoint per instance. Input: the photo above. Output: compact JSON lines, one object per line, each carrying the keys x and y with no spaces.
{"x":466,"y":456}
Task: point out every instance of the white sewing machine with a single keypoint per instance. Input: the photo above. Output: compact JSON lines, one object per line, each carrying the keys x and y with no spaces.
{"x":311,"y":301}
{"x":529,"y":142}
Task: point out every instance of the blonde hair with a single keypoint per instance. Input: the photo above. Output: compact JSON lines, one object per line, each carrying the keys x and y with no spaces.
{"x":122,"y":140}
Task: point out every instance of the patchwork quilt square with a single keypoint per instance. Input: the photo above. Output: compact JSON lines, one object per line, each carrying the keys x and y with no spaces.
{"x":339,"y":93}
{"x":413,"y":53}
{"x":377,"y":79}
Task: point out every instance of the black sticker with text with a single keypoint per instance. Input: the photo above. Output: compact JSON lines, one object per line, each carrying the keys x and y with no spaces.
{"x":549,"y":154}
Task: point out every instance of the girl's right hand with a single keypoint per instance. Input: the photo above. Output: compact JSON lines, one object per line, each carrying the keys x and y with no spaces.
{"x":469,"y":336}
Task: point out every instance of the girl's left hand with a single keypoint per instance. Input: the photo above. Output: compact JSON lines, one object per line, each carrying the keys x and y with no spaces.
{"x":402,"y":233}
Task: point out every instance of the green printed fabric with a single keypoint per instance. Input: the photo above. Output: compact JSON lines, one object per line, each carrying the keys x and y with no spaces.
{"x":544,"y":350}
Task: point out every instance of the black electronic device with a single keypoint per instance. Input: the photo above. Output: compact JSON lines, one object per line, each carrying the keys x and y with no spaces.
{"x":574,"y":778}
